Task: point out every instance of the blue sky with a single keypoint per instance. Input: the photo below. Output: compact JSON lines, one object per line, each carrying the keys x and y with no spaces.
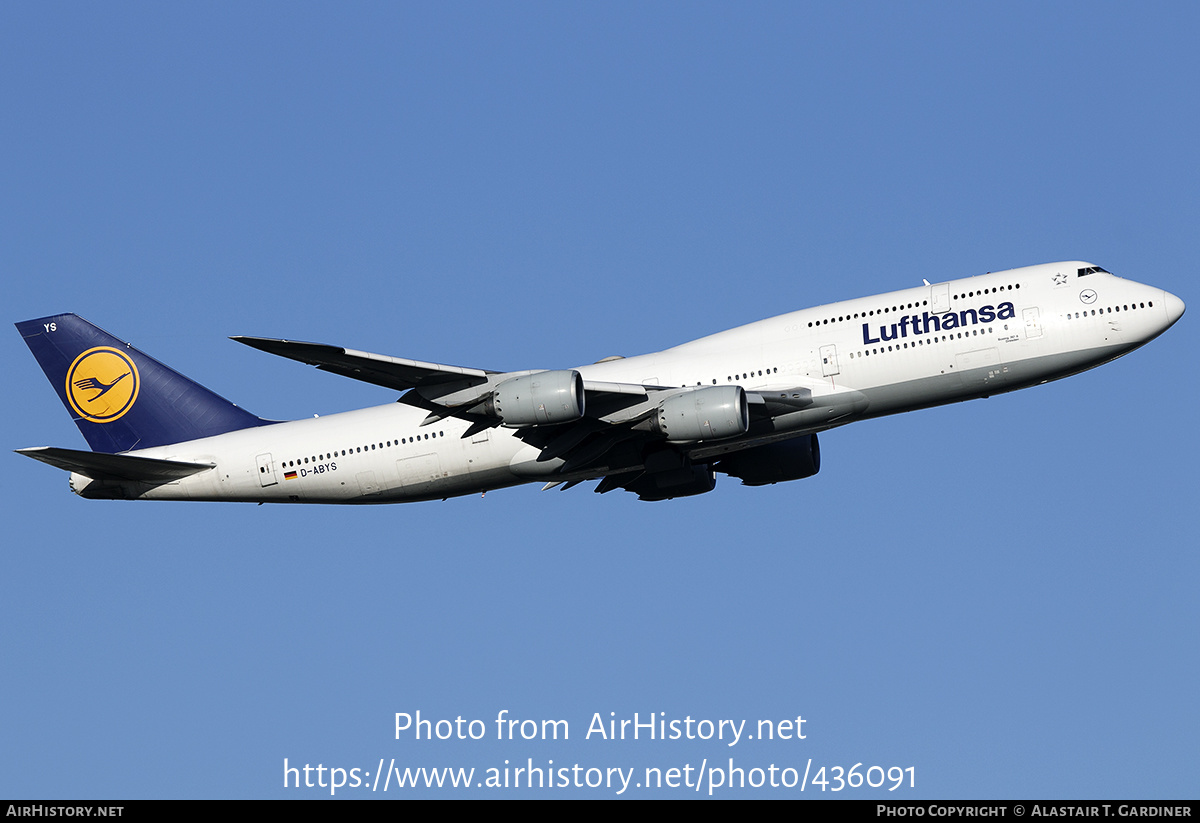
{"x":1000,"y":594}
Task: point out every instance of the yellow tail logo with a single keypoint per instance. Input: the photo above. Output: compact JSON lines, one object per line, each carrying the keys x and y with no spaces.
{"x":102,"y":384}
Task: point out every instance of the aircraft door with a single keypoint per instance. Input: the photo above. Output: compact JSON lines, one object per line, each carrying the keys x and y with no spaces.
{"x":1033,"y":323}
{"x":266,"y":470}
{"x":829,"y":363}
{"x":366,"y":483}
{"x":421,"y":470}
{"x":939,"y":298}
{"x":980,"y":368}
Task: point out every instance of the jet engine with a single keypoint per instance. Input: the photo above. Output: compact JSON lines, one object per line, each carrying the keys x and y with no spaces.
{"x":710,"y":413}
{"x":538,"y":399}
{"x":775,"y":462}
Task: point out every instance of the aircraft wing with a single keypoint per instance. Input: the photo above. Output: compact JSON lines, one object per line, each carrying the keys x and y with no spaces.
{"x":391,"y":372}
{"x":616,"y":419}
{"x":402,"y":374}
{"x":454,"y":390}
{"x":100,"y":466}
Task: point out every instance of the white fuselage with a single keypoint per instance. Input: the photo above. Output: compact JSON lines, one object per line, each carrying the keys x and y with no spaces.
{"x":861,"y":358}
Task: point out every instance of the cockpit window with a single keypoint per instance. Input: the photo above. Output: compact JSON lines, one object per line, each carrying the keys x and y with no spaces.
{"x":1092,"y":270}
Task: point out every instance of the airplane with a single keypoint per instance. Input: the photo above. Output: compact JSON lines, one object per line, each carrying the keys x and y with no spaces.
{"x":748,"y":402}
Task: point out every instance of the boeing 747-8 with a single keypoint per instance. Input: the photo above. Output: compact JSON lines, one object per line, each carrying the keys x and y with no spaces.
{"x":748,"y":402}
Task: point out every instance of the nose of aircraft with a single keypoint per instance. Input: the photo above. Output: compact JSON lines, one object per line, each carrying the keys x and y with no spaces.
{"x":1174,"y":307}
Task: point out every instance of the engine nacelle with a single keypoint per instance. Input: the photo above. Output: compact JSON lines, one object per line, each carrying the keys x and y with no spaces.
{"x":711,"y":413}
{"x":775,"y":462}
{"x":538,"y":399}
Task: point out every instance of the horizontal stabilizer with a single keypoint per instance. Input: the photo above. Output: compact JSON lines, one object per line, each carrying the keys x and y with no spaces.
{"x":391,"y":372}
{"x":99,"y":466}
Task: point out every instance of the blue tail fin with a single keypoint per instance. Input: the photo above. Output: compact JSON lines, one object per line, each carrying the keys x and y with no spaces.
{"x":120,"y":398}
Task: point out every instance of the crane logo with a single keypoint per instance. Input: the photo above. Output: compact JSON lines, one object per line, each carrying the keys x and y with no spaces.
{"x":102,"y":384}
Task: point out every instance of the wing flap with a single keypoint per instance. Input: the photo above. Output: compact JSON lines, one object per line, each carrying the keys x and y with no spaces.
{"x":100,"y":466}
{"x":601,"y":387}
